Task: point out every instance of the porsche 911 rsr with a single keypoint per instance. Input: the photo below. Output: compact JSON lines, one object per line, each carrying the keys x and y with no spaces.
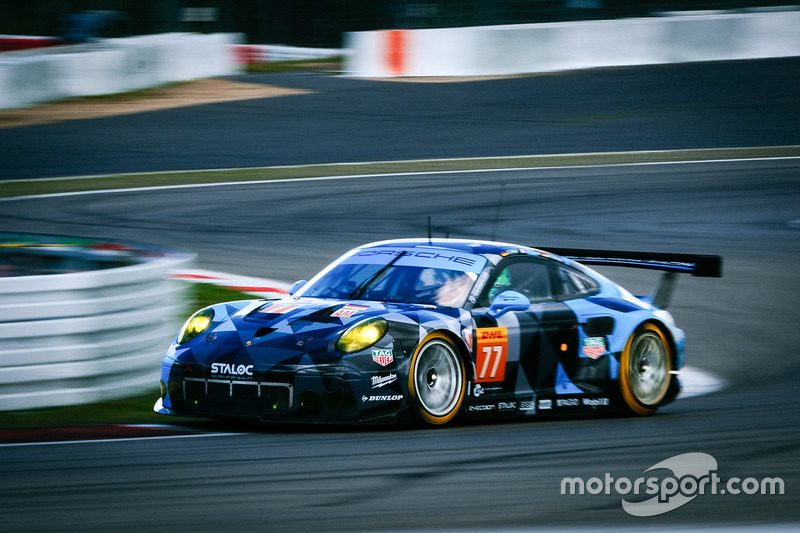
{"x":433,"y":330}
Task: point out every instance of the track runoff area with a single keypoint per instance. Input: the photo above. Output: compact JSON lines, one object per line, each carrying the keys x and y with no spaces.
{"x":696,"y":382}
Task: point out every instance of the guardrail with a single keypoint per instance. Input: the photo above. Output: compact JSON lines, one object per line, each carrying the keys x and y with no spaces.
{"x":531,"y":48}
{"x":93,"y":326}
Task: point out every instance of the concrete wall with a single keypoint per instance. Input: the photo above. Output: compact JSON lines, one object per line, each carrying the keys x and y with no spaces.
{"x":113,"y":66}
{"x":530,"y":48}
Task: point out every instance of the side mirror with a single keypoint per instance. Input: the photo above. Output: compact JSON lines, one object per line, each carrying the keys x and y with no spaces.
{"x":508,"y":301}
{"x":296,"y":286}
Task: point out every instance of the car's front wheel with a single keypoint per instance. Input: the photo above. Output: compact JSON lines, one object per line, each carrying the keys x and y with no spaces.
{"x":436,"y":381}
{"x":644,"y":374}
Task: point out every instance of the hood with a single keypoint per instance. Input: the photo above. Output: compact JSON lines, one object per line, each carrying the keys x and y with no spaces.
{"x":312,"y":311}
{"x":277,"y":334}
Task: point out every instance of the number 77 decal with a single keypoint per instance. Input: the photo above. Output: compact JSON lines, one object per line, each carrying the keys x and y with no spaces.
{"x":492,"y":348}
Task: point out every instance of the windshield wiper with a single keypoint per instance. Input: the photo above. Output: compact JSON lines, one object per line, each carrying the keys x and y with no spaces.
{"x":359,"y":291}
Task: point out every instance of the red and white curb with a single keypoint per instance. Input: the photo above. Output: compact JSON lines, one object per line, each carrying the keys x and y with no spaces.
{"x":263,"y":287}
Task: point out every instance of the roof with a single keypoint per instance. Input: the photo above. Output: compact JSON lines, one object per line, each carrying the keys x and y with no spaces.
{"x":471,"y":246}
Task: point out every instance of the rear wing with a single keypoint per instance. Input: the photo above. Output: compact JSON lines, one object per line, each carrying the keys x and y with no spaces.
{"x":707,"y":266}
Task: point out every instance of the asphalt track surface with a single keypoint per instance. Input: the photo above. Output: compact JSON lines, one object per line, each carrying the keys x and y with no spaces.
{"x":713,"y":105}
{"x":476,"y":477}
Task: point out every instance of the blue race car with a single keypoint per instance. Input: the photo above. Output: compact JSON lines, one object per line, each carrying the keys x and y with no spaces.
{"x":432,"y":330}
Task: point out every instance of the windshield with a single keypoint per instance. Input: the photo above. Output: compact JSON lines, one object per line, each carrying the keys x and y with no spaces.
{"x":419,"y":276}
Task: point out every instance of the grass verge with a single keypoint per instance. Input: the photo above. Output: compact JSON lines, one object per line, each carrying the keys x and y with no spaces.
{"x":16,"y":188}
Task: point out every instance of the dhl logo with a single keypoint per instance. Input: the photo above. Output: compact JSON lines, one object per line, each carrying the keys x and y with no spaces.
{"x":485,"y":334}
{"x":491,"y":353}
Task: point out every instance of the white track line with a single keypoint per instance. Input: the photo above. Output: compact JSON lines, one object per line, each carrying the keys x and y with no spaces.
{"x":277,"y":181}
{"x":124,"y":439}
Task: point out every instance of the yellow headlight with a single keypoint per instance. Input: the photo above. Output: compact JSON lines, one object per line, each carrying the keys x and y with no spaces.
{"x":362,"y":335}
{"x":195,"y":325}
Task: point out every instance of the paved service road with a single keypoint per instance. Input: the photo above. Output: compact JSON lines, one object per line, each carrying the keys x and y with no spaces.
{"x":471,"y":477}
{"x":710,"y":105}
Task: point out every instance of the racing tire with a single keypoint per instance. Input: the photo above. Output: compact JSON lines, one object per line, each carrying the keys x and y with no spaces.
{"x":645,"y":370}
{"x":436,"y":381}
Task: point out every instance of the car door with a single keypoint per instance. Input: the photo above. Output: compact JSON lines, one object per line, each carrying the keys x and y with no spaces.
{"x":521,"y":351}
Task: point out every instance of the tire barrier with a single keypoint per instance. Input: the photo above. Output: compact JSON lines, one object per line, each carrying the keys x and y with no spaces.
{"x":83,"y":320}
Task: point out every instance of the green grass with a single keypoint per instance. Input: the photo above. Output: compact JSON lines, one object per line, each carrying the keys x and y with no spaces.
{"x":327,"y":64}
{"x":134,"y":410}
{"x":205,"y":294}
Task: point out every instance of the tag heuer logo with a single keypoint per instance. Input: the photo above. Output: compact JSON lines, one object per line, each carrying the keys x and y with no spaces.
{"x":382,"y":357}
{"x":594,"y":347}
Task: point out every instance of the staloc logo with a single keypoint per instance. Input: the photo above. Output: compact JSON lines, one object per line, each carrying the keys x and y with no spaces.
{"x":231,"y":370}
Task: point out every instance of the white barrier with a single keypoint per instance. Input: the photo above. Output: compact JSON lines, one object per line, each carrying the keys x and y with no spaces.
{"x":113,"y":66}
{"x":248,"y":54}
{"x":530,"y":48}
{"x":82,"y":337}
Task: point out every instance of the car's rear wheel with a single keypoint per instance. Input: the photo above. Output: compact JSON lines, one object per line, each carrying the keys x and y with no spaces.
{"x":436,"y":381}
{"x":644,"y":374}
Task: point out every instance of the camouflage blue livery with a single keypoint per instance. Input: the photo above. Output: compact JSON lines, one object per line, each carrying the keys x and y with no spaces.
{"x":435,"y":330}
